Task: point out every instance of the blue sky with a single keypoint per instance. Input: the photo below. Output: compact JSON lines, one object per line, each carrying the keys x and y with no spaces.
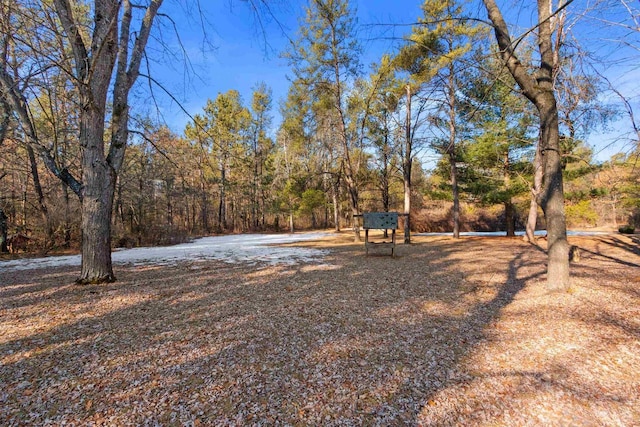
{"x":227,"y":48}
{"x":237,"y":55}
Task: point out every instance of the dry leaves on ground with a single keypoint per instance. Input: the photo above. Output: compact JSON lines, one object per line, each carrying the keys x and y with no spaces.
{"x":447,"y":333}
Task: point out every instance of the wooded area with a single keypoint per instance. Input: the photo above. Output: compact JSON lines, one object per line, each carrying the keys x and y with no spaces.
{"x":507,"y":111}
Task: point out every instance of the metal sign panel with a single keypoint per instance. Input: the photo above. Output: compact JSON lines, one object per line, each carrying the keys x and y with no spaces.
{"x":380,"y":220}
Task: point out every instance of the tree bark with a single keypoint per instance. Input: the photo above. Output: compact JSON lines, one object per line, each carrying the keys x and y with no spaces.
{"x":4,"y":227}
{"x":291,"y":228}
{"x":451,"y":89}
{"x":335,"y":196}
{"x":509,"y":209}
{"x":551,"y":198}
{"x":99,"y":190}
{"x":455,"y":193}
{"x":94,"y":68}
{"x":532,"y":218}
{"x":406,"y":171}
{"x":42,"y":206}
{"x":3,"y":232}
{"x":510,"y":218}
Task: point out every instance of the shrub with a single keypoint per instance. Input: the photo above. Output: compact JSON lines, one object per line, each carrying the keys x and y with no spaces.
{"x":581,"y":213}
{"x":627,"y":229}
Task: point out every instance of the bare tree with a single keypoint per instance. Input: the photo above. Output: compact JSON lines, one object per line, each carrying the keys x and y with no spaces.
{"x":105,"y":66}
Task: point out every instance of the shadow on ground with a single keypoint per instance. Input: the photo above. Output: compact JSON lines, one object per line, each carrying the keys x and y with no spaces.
{"x":354,"y":341}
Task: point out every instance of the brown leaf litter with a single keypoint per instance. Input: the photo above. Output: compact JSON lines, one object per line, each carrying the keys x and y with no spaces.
{"x":447,"y":333}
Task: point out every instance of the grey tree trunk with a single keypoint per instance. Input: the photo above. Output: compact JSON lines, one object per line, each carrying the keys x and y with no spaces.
{"x":551,"y":197}
{"x":335,"y":197}
{"x":291,"y":228}
{"x":110,"y":62}
{"x":99,"y":190}
{"x":532,"y":218}
{"x":42,"y":206}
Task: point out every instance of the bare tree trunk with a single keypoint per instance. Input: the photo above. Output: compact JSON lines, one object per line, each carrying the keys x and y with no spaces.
{"x":3,"y":218}
{"x":510,"y":218}
{"x":67,"y":218}
{"x":111,"y":61}
{"x":532,"y":218}
{"x":42,"y":206}
{"x":614,"y":213}
{"x":291,"y":229}
{"x":509,"y":209}
{"x":3,"y":232}
{"x":552,"y":197}
{"x":451,"y":92}
{"x":169,"y":205}
{"x":455,"y":194}
{"x":204,"y":211}
{"x":406,"y":171}
{"x":335,"y":197}
{"x":222,"y":207}
{"x":99,"y":188}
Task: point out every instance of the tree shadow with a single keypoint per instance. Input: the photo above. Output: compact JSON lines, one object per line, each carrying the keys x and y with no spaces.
{"x":614,"y":248}
{"x":355,"y":340}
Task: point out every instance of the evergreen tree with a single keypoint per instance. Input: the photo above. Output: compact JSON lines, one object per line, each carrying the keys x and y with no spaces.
{"x":438,"y":52}
{"x":498,"y":132}
{"x":324,"y":58}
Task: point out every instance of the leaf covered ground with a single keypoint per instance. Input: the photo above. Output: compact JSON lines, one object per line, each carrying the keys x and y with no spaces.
{"x":447,"y":333}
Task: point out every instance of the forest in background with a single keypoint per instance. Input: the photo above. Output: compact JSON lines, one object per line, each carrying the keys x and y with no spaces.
{"x":348,"y":142}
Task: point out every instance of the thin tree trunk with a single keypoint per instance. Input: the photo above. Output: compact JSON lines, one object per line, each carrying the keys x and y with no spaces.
{"x":335,"y":197}
{"x":455,"y":194}
{"x":291,"y":229}
{"x":67,"y":217}
{"x":452,"y":150}
{"x":3,"y":233}
{"x":509,"y":209}
{"x":532,"y":218}
{"x":222,"y":207}
{"x":42,"y":206}
{"x":169,"y":205}
{"x":406,"y":171}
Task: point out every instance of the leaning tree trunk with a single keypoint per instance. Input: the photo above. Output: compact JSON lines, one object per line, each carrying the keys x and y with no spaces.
{"x":42,"y":206}
{"x":538,"y":88}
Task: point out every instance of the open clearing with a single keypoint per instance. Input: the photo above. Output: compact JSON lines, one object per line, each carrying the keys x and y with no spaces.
{"x":447,"y":333}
